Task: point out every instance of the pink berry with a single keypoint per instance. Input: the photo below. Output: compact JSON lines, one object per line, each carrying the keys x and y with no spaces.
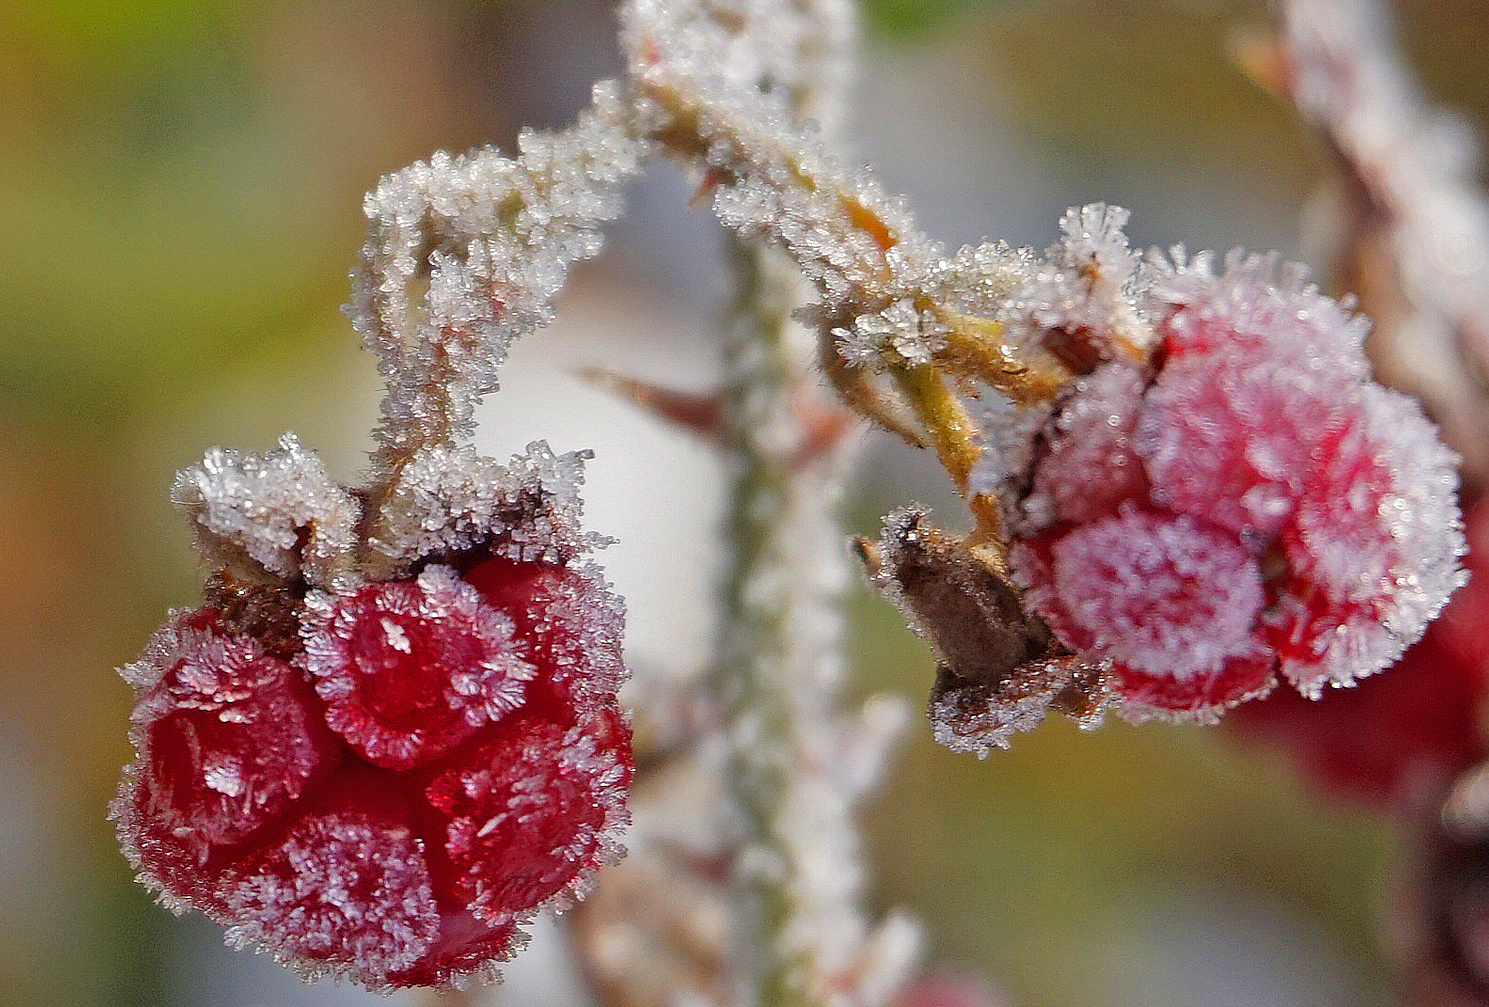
{"x":1234,"y":439}
{"x":1244,"y":310}
{"x":1169,"y":601}
{"x":1089,"y":465}
{"x":410,"y":669}
{"x":464,"y":948}
{"x":1373,"y":550}
{"x":1255,"y":506}
{"x":532,"y":813}
{"x":1383,"y":740}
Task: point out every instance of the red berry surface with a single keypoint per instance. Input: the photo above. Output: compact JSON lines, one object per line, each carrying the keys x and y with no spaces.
{"x":1169,"y":601}
{"x":230,"y":738}
{"x":569,"y":622}
{"x":346,"y":891}
{"x":392,"y":803}
{"x":410,"y":669}
{"x":1250,"y":506}
{"x":1089,"y":465}
{"x":1384,"y":741}
{"x":530,"y":814}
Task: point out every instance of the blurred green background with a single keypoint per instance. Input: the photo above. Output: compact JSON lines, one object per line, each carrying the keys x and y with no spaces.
{"x":180,"y":187}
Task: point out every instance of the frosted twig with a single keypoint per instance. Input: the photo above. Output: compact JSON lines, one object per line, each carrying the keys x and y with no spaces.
{"x":490,"y":238}
{"x":789,"y":767}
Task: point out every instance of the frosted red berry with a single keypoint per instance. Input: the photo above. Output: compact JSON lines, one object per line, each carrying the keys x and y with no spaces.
{"x":1170,"y":601}
{"x":1384,"y":741}
{"x":530,"y":813}
{"x":1089,"y":465}
{"x":569,"y":625}
{"x":1245,"y":504}
{"x":410,"y":669}
{"x":392,"y":801}
{"x":230,"y":737}
{"x":347,"y":891}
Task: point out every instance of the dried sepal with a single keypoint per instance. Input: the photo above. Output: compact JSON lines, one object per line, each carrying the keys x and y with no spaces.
{"x":979,"y":716}
{"x":959,"y":599}
{"x":1081,"y":304}
{"x":279,"y":514}
{"x":1000,"y":669}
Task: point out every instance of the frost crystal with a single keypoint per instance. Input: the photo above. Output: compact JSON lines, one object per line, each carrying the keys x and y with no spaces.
{"x":894,"y":337}
{"x":494,"y":236}
{"x":452,"y":500}
{"x":251,"y":511}
{"x":1085,"y":289}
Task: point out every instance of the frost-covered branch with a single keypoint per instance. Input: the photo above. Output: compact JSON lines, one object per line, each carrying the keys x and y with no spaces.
{"x":465,"y":253}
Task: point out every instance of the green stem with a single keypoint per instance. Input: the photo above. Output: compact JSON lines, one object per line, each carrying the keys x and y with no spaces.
{"x":775,"y":672}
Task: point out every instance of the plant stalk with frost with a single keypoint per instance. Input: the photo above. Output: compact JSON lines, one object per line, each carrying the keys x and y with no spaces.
{"x":802,"y":936}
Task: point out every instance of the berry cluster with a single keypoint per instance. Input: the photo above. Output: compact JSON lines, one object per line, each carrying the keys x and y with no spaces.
{"x":1243,"y":504}
{"x":382,"y":780}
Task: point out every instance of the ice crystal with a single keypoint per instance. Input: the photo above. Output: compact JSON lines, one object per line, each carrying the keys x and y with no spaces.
{"x":1085,"y":288}
{"x":894,"y":337}
{"x":451,"y":500}
{"x":251,"y":510}
{"x":494,"y":236}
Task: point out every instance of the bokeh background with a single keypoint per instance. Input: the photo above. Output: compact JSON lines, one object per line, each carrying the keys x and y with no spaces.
{"x":180,"y":186}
